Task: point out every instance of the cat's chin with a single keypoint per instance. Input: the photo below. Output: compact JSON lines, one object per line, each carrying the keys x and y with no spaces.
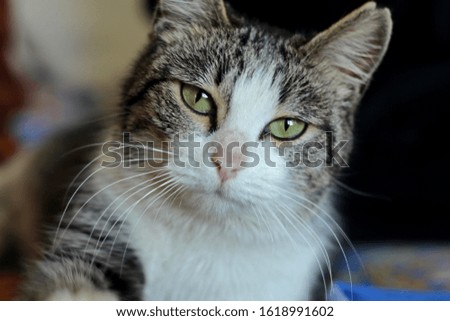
{"x":219,"y":201}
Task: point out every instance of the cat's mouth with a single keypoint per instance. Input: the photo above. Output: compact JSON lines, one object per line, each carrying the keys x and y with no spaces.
{"x":227,"y":194}
{"x":222,"y":193}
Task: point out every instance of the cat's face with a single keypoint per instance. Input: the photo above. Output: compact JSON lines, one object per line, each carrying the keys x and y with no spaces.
{"x":262,"y":116}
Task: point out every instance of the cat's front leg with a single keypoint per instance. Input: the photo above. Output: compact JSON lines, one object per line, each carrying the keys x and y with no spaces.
{"x":66,"y":279}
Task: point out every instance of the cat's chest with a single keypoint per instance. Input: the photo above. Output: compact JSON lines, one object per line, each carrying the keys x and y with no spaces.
{"x":181,"y":266}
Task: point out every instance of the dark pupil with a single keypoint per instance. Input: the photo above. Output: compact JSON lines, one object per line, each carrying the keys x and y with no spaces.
{"x":200,"y":95}
{"x":287,"y":123}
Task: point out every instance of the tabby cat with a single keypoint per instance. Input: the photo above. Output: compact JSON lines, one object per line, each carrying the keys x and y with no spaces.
{"x":165,"y":210}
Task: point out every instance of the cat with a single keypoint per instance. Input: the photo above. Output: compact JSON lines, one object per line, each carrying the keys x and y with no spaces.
{"x":156,"y":214}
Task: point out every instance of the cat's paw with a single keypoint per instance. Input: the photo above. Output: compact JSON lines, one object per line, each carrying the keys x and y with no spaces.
{"x":83,"y":295}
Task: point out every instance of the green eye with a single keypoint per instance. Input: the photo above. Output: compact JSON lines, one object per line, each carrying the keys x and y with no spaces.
{"x":286,"y":128}
{"x":197,"y":99}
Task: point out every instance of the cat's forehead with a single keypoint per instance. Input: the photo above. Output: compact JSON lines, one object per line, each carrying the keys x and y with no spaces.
{"x":249,"y":66}
{"x":254,"y":100}
{"x":211,"y":57}
{"x":227,"y":49}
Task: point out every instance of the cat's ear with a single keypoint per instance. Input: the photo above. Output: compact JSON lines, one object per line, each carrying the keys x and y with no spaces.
{"x":182,"y":14}
{"x":348,"y":52}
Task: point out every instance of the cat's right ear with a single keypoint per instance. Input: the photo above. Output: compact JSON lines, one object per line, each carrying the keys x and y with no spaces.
{"x":348,"y":53}
{"x":173,"y":15}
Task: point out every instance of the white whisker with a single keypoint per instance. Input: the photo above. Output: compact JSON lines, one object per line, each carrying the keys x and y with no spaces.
{"x":286,"y":193}
{"x":314,"y":236}
{"x":357,"y":192}
{"x":99,"y":245}
{"x":295,"y":244}
{"x":261,"y":217}
{"x":123,"y":201}
{"x":68,"y":204}
{"x":172,"y":185}
{"x":88,"y":200}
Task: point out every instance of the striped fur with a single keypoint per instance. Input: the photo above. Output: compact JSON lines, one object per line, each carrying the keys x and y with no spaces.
{"x":180,"y":233}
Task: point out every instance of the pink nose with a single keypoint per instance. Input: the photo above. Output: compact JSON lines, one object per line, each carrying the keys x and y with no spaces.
{"x":228,"y":157}
{"x":227,"y":171}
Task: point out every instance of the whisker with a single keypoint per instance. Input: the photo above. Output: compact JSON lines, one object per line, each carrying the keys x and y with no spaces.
{"x":98,"y":119}
{"x":157,"y":179}
{"x":314,"y":235}
{"x":358,"y":192}
{"x":146,"y":148}
{"x":294,"y":243}
{"x":68,"y":204}
{"x":134,"y":228}
{"x":259,"y":215}
{"x":137,"y":160}
{"x":164,"y":192}
{"x":340,"y":230}
{"x":122,"y":218}
{"x":74,"y":180}
{"x":86,"y":202}
{"x":301,"y":221}
{"x":77,"y":149}
{"x":118,"y":206}
{"x":178,"y":192}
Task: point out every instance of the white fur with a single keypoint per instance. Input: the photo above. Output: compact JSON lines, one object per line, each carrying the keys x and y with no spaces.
{"x":197,"y":263}
{"x":253,"y":104}
{"x":83,"y":294}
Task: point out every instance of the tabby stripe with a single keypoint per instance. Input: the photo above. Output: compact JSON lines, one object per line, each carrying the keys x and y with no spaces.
{"x":130,"y":101}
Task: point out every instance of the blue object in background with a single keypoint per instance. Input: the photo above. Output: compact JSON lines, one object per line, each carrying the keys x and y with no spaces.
{"x":344,"y":291}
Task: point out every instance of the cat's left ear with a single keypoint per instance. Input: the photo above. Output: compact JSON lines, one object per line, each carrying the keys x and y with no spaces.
{"x":348,"y":53}
{"x":181,"y":14}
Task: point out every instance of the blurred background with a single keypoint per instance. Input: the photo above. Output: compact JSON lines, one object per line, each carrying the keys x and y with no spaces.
{"x":68,"y":57}
{"x":61,"y":59}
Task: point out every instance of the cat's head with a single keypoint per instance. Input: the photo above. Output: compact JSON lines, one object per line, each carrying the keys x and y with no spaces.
{"x":284,"y":103}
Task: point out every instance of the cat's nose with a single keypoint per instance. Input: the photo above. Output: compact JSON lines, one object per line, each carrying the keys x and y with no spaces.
{"x":227,"y":156}
{"x":227,"y":170}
